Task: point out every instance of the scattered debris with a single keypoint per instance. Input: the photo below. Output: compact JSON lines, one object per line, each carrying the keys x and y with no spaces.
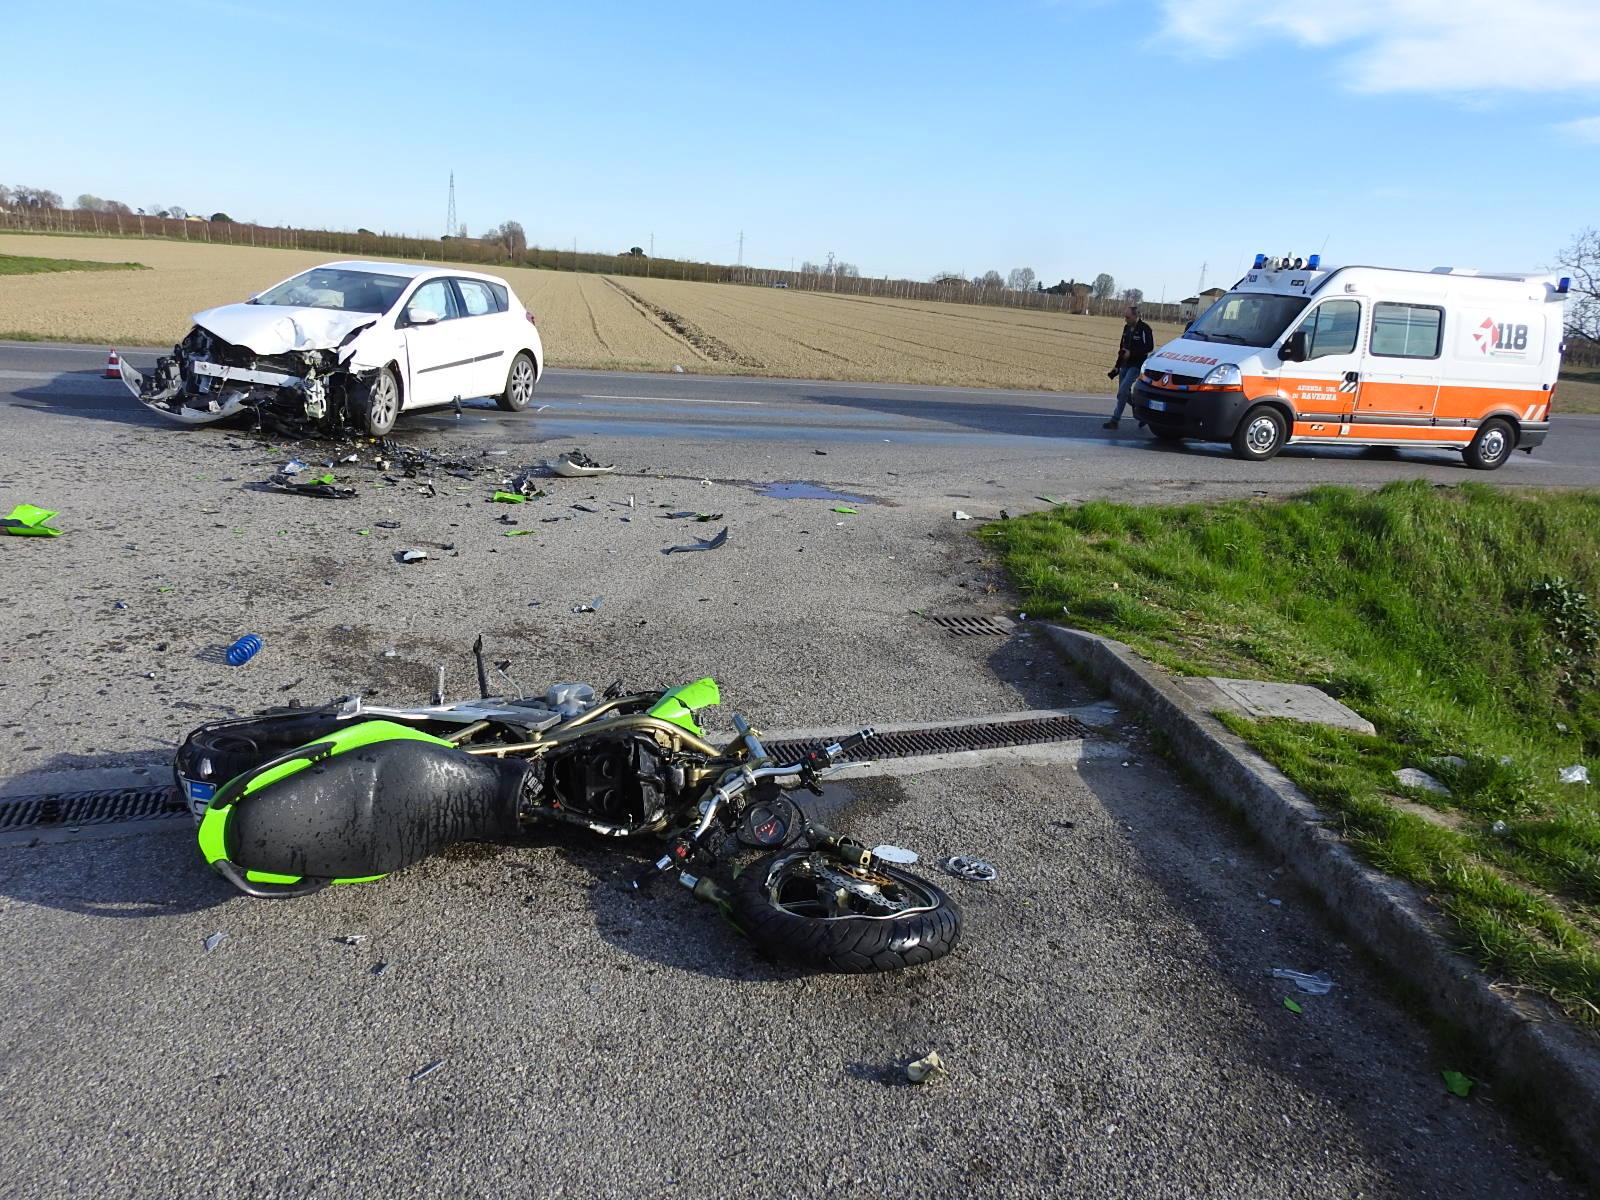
{"x":1312,"y":985}
{"x":676,"y":369}
{"x":585,"y":508}
{"x":519,"y":532}
{"x":715,"y":543}
{"x":823,"y":452}
{"x":379,"y":968}
{"x":1499,"y":828}
{"x":28,"y":520}
{"x":351,"y":939}
{"x":215,"y":940}
{"x":410,"y":556}
{"x":845,"y":508}
{"x":1050,"y":500}
{"x":1575,"y":774}
{"x":961,"y":516}
{"x":686,"y":514}
{"x":387,"y":524}
{"x":964,"y":866}
{"x":1292,"y":1006}
{"x":575,"y":464}
{"x":1411,"y":777}
{"x":509,"y":498}
{"x":592,"y":606}
{"x":898,"y":855}
{"x":323,"y":487}
{"x":418,"y":1076}
{"x":927,"y":1068}
{"x":1457,"y":1084}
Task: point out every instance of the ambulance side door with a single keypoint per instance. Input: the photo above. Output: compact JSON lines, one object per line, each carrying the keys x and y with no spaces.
{"x":1324,"y":385}
{"x":1402,"y":368}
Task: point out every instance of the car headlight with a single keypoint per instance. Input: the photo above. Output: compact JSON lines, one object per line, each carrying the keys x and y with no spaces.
{"x":1227,"y":376}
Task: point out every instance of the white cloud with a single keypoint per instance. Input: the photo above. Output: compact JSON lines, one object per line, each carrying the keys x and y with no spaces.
{"x":1453,"y":46}
{"x":1585,"y":129}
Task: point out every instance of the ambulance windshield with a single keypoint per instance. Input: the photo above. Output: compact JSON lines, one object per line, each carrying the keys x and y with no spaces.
{"x":1247,"y":318}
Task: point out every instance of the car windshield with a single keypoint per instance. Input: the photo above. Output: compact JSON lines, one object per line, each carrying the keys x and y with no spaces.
{"x":335,"y":287}
{"x":1247,"y":318}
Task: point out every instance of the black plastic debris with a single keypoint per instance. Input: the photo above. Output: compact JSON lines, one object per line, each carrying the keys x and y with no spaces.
{"x":715,"y":543}
{"x":575,"y":464}
{"x":592,"y":606}
{"x":322,"y":488}
{"x":387,"y":524}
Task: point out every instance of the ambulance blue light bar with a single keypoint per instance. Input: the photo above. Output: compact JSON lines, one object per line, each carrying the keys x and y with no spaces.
{"x":1564,"y":283}
{"x":1261,"y":261}
{"x":1313,"y":262}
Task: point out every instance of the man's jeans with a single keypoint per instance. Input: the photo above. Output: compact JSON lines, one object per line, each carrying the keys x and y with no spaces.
{"x":1124,"y":390}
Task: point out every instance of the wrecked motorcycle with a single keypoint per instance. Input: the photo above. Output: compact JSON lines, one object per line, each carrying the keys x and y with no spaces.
{"x":295,"y":800}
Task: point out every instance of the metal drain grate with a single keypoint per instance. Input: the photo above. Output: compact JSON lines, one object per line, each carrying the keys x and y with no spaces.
{"x":946,"y":739}
{"x":975,"y":626}
{"x":90,"y":808}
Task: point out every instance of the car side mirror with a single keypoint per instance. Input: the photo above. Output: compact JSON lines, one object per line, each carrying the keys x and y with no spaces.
{"x":421,"y":316}
{"x":1294,"y":347}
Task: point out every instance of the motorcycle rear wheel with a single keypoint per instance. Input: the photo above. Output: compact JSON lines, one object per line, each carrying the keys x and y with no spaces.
{"x":801,"y":905}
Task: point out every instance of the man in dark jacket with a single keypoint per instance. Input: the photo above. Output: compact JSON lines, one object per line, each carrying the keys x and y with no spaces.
{"x":1138,"y":343}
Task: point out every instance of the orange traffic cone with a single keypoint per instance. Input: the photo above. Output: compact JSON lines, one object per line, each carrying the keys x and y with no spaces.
{"x":113,"y":366}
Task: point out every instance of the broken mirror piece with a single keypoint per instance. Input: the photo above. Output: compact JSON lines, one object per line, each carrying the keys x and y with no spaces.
{"x":714,"y":543}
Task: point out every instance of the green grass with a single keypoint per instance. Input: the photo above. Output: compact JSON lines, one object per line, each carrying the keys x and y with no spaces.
{"x":1578,"y":391}
{"x":1460,"y":621}
{"x":21,"y":264}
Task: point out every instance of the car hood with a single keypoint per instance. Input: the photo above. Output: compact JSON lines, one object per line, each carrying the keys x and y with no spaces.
{"x":276,"y":329}
{"x":1190,"y":356}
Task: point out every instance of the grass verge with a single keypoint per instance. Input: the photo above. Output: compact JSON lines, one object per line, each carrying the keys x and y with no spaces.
{"x":22,"y":264}
{"x":1458,"y":620}
{"x":1578,"y":391}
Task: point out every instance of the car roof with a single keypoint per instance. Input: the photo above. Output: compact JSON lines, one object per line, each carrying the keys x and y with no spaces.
{"x":408,"y":270}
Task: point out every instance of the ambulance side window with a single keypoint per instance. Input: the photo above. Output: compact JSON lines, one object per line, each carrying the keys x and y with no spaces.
{"x":1333,"y":328}
{"x":1406,"y":330}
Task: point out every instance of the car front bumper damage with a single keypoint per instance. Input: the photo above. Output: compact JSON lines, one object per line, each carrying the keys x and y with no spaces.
{"x":192,"y":387}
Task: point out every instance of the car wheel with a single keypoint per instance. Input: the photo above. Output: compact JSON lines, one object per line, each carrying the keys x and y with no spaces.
{"x":519,"y":384}
{"x":378,"y":404}
{"x":1491,"y":447}
{"x":1260,"y":435}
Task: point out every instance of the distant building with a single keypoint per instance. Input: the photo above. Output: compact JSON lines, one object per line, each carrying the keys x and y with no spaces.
{"x":1191,"y":308}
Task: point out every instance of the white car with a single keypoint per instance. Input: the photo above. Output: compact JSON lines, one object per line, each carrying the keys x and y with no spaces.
{"x":357,"y":342}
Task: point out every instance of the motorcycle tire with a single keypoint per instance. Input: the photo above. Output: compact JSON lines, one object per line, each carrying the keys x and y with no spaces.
{"x":774,"y":901}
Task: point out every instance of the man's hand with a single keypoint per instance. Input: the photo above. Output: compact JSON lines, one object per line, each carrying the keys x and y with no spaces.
{"x":1112,"y":374}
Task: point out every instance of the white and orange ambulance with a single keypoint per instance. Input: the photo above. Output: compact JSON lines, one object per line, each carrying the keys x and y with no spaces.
{"x":1370,"y":356}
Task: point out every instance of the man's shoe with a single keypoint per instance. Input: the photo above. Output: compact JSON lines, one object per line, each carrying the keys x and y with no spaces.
{"x":1109,"y":425}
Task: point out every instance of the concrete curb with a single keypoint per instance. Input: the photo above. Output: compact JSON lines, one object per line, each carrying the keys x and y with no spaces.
{"x":1536,"y":1054}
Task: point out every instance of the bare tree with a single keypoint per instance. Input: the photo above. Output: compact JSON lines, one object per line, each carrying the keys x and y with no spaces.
{"x":39,"y":199}
{"x":119,"y":208}
{"x":1103,"y":286}
{"x":509,"y":236}
{"x":91,"y":203}
{"x":1021,"y":279}
{"x":1581,"y":262}
{"x":991,"y":279}
{"x":177,"y":212}
{"x":1131,"y":296}
{"x":5,"y":196}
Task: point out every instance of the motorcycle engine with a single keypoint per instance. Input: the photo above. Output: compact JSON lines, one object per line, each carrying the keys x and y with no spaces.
{"x":620,"y":782}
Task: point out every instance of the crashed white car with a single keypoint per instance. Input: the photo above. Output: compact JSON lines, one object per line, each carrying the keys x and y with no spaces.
{"x":350,"y":342}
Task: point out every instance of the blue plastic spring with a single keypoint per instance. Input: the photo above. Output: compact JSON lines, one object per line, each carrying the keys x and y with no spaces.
{"x":243,"y":650}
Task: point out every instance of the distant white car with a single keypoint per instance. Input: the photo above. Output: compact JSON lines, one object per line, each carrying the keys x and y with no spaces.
{"x":356,"y":342}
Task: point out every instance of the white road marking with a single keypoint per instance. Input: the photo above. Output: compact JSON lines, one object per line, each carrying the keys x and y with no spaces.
{"x":669,"y":399}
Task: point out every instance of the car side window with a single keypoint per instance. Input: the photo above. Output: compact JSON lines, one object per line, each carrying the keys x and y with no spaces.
{"x":477,"y":297}
{"x":1333,"y":328}
{"x":1406,"y":330}
{"x":502,"y":301}
{"x":436,"y":297}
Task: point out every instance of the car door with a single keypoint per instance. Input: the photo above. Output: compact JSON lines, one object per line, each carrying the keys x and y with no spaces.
{"x":439,"y":363}
{"x":1401,"y":369}
{"x":484,"y":334}
{"x":1325,"y":385}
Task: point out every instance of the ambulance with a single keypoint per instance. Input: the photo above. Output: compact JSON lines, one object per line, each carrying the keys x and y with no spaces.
{"x":1299,"y":353}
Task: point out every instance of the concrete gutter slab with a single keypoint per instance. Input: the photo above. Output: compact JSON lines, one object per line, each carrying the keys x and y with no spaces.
{"x":1259,"y":699}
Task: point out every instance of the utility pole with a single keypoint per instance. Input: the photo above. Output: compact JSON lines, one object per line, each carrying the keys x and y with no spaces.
{"x":450,"y":219}
{"x":652,"y":245}
{"x":1202,"y":286}
{"x":741,"y":248}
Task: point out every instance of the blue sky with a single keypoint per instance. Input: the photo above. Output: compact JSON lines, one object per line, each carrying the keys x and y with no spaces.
{"x":1139,"y":137}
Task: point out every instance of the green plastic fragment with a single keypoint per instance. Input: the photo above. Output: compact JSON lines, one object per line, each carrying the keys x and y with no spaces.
{"x":518,"y":532}
{"x":328,"y":478}
{"x":28,"y":520}
{"x":509,"y":498}
{"x":363,"y":532}
{"x":1292,"y":1006}
{"x":845,"y":508}
{"x":1457,"y":1083}
{"x":679,"y":704}
{"x":164,"y":589}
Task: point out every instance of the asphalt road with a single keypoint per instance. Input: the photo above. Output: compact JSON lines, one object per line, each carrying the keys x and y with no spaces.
{"x":1110,"y":1020}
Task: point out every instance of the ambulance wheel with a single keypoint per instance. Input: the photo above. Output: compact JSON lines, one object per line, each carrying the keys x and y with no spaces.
{"x":1260,"y":434}
{"x":1492,"y":446}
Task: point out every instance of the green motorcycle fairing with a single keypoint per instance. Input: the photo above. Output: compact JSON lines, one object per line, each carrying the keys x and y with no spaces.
{"x":212,"y":835}
{"x":678,"y":705}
